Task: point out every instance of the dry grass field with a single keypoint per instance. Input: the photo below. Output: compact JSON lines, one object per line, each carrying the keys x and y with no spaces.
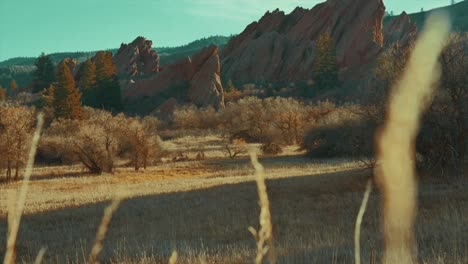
{"x":203,"y":208}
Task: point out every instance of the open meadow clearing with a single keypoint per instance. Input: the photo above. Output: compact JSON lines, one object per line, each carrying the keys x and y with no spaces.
{"x":203,"y":208}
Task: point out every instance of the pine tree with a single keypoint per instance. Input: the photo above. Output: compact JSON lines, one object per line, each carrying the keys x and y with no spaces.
{"x":12,"y":89}
{"x":13,"y":86}
{"x":105,"y":67}
{"x":2,"y":94}
{"x":107,"y":92}
{"x":87,"y":83}
{"x":230,"y":86}
{"x":44,"y":74}
{"x":65,"y":96}
{"x":325,"y":69}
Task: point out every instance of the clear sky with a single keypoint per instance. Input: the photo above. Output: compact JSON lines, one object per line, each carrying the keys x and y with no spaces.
{"x":29,"y":27}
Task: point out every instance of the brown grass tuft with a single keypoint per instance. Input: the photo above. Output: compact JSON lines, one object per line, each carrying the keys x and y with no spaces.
{"x":265,"y":234}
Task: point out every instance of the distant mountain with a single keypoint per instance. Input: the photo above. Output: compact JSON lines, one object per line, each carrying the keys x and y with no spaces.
{"x":458,"y":13}
{"x":167,"y":54}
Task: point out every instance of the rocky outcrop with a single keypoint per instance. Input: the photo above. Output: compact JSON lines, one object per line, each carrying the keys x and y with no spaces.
{"x":400,"y":30}
{"x":194,"y":79}
{"x":205,"y":85}
{"x":137,"y":58}
{"x":280,"y":47}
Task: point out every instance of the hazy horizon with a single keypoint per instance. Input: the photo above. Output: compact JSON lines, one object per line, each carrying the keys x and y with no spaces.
{"x":57,"y":26}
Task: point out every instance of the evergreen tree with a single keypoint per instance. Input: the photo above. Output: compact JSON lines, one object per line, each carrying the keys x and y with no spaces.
{"x":2,"y":94}
{"x":44,"y":74}
{"x":107,"y":92}
{"x":65,"y":96}
{"x":87,"y":83}
{"x":12,"y":88}
{"x":105,"y":67}
{"x":325,"y":69}
{"x":230,"y":86}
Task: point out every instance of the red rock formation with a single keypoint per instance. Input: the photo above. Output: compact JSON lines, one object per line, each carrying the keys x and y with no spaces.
{"x":137,"y":58}
{"x":400,"y":30}
{"x":194,"y":79}
{"x":280,"y":47}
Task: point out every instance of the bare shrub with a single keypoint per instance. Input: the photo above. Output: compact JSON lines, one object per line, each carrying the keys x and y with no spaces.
{"x":93,"y":141}
{"x":282,"y":121}
{"x":100,"y":138}
{"x":140,"y":142}
{"x":192,"y":117}
{"x":16,"y":129}
{"x":289,"y":117}
{"x":248,"y":116}
{"x":236,"y":148}
{"x":274,"y":120}
{"x":232,"y":95}
{"x":271,"y":149}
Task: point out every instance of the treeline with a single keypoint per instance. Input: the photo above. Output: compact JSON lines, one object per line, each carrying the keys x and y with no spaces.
{"x":62,"y":94}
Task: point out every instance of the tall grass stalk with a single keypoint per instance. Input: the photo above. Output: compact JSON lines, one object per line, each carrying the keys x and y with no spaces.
{"x":265,"y":234}
{"x":102,"y":230}
{"x":15,"y":218}
{"x":40,"y":256}
{"x":173,"y":258}
{"x":396,"y":148}
{"x":357,"y":228}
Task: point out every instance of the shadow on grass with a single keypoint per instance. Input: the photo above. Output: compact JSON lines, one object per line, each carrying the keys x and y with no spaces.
{"x":313,"y":220}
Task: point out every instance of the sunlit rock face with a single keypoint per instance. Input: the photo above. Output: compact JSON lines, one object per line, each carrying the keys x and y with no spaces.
{"x":137,"y":58}
{"x":280,"y":47}
{"x":195,"y":79}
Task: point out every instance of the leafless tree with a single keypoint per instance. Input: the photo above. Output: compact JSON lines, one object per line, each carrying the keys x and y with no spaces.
{"x":16,"y":128}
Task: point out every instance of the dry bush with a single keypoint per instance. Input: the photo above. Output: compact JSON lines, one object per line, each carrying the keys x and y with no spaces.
{"x":192,"y":117}
{"x":93,"y":141}
{"x":271,"y":149}
{"x":140,"y":142}
{"x":248,"y":116}
{"x":273,"y":120}
{"x":289,"y":117}
{"x":16,"y":129}
{"x":232,"y":95}
{"x":235,"y":148}
{"x":342,"y":133}
{"x":98,"y":139}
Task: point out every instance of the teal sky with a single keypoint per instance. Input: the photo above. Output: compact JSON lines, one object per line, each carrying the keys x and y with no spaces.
{"x":29,"y":27}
